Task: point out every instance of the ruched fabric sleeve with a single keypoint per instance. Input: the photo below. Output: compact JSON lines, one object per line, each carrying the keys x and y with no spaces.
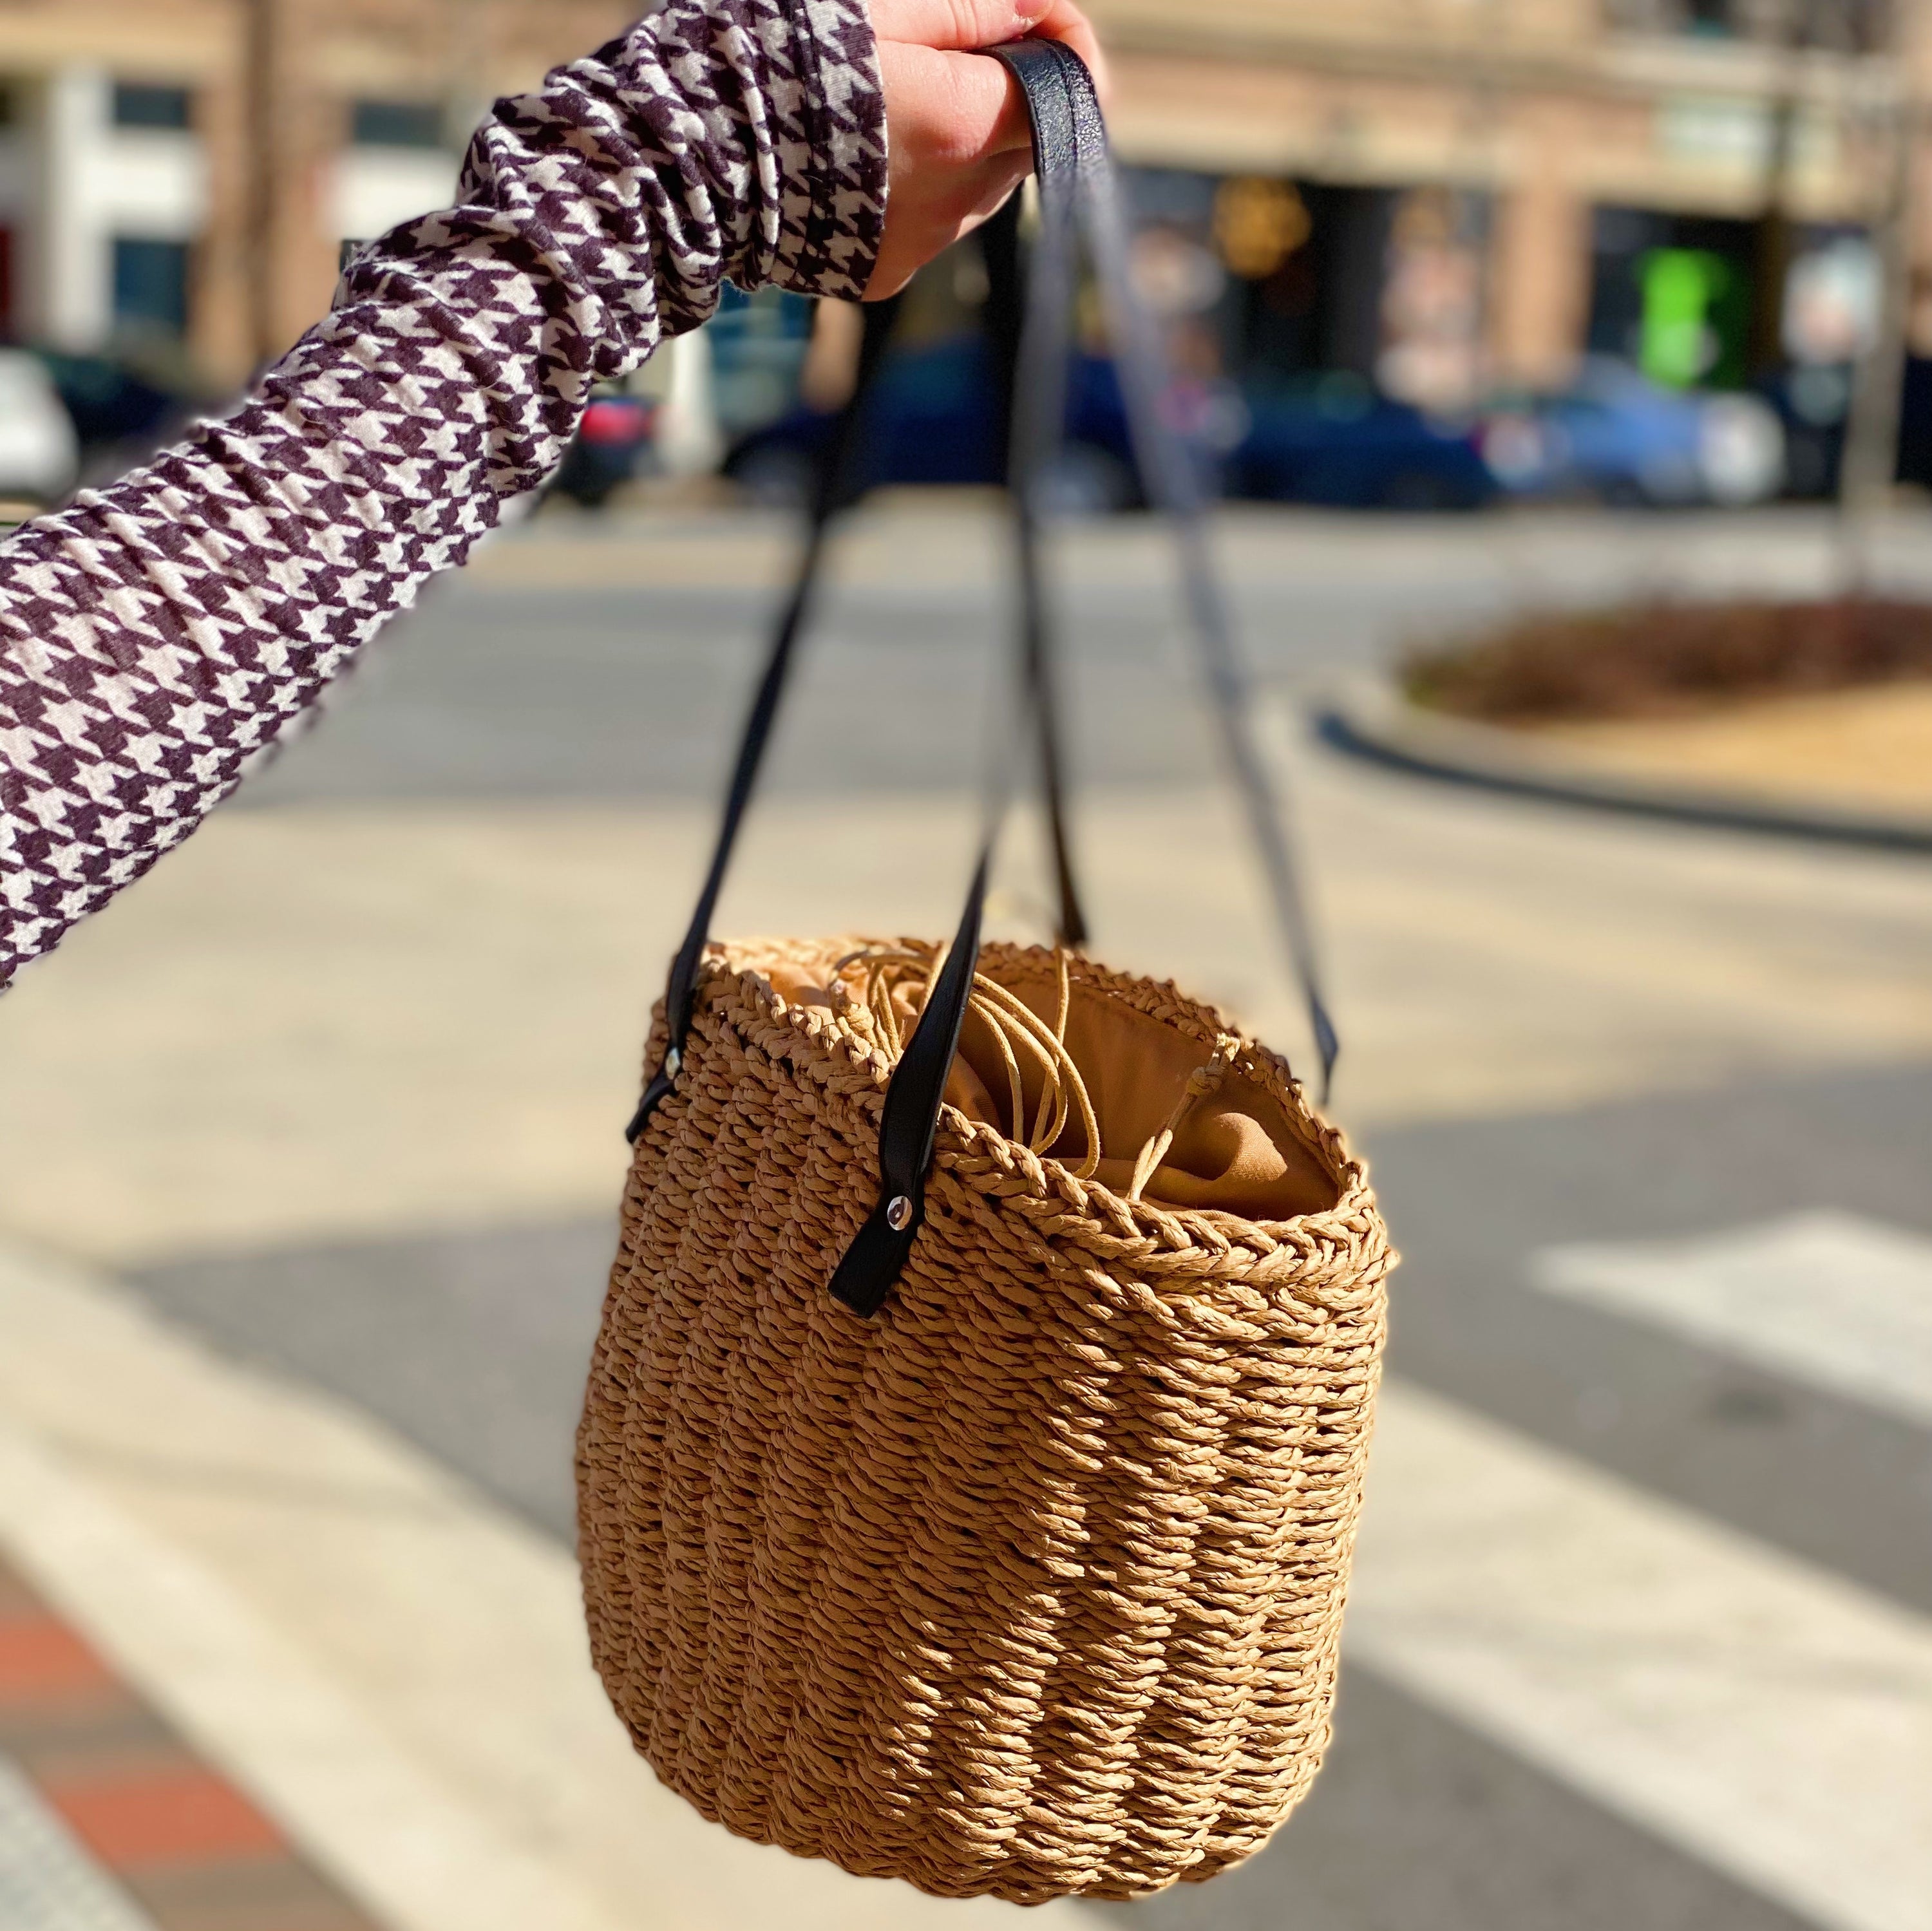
{"x":154,"y":634}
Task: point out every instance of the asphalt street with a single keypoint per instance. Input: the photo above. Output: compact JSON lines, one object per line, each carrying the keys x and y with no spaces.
{"x":569,"y":675}
{"x":591,"y":665}
{"x":635,"y":693}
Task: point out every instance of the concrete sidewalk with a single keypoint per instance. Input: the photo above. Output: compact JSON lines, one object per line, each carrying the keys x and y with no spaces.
{"x":108,"y":1822}
{"x":343,"y":1021}
{"x":393,"y":1669}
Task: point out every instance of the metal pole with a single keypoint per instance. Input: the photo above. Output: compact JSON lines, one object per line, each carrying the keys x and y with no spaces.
{"x":1870,"y":461}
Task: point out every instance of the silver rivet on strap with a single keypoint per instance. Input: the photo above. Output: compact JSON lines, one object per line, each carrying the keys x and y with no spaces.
{"x":899,"y":1213}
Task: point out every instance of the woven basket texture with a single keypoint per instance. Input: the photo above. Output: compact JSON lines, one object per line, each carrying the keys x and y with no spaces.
{"x":1033,"y":1585}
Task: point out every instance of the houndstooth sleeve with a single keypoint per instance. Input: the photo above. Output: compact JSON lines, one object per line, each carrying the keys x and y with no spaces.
{"x":155,"y":634}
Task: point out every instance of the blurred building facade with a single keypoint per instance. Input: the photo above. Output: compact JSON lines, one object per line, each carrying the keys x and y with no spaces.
{"x":1476,"y":191}
{"x":1437,"y":194}
{"x":176,"y":176}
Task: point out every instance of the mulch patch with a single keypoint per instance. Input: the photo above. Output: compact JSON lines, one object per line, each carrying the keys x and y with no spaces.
{"x":1669,"y":659}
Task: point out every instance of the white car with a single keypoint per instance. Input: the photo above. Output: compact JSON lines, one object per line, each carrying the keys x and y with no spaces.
{"x":1615,"y":436}
{"x":39,"y":454}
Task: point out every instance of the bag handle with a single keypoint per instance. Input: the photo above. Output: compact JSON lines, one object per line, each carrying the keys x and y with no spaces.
{"x":1173,"y":482}
{"x":1076,"y":184}
{"x":832,"y":492}
{"x":828,"y":495}
{"x":1006,"y":325}
{"x":1075,"y":180}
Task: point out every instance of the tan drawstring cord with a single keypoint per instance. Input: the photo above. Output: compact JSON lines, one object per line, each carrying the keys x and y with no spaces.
{"x":1016,"y":1027}
{"x":1200,"y":1082}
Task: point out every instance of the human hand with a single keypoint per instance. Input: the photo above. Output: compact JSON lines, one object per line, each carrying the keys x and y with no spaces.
{"x":956,"y":122}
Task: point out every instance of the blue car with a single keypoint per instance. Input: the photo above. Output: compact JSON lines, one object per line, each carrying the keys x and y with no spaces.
{"x":1335,"y":441}
{"x":933,"y":419}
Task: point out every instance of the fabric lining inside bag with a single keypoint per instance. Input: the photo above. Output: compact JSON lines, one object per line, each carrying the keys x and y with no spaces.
{"x":1232,"y":1150}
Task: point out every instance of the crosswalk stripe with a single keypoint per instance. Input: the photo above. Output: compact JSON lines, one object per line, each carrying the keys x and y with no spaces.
{"x":1770,"y":1719}
{"x":1828,"y":1299}
{"x":422,"y":1716}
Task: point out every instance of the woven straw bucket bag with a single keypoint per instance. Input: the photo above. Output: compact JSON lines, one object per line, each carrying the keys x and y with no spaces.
{"x":973,"y":1448}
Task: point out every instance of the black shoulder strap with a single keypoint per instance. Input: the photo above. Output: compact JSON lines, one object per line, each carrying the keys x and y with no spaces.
{"x":1005,"y":316}
{"x":1068,"y":140}
{"x":832,"y":489}
{"x":830,"y":483}
{"x":1174,"y":484}
{"x":1076,"y":189}
{"x":1076,"y":181}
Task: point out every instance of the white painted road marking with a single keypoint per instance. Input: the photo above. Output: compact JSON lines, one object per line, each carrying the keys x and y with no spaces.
{"x":395,"y":1668}
{"x":1769,"y":1719}
{"x":1825,"y":1298}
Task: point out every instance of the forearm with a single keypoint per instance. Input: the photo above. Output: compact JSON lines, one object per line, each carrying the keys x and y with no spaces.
{"x":155,"y":634}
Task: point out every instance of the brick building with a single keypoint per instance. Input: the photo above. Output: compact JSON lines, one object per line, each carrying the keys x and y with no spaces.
{"x":1481,"y":174}
{"x":1573,"y":138}
{"x":178,"y":173}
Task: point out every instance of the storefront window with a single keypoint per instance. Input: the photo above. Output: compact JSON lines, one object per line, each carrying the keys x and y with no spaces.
{"x":150,"y":286}
{"x":1841,"y":26}
{"x":396,"y":123}
{"x":138,"y":104}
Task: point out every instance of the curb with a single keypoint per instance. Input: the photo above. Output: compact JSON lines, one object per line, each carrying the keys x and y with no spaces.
{"x":1372,"y":721}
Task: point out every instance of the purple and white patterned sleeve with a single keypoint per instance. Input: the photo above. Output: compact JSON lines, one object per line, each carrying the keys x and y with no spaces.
{"x":154,"y":634}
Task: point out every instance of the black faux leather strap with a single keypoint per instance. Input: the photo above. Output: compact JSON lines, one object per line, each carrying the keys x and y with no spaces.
{"x":1068,"y":138}
{"x":1005,"y":324}
{"x":1075,"y":180}
{"x":1077,"y":189}
{"x":999,"y":239}
{"x":830,"y":484}
{"x":1174,"y":484}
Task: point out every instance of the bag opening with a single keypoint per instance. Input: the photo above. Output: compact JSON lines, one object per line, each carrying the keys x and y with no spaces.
{"x":1166,"y":1117}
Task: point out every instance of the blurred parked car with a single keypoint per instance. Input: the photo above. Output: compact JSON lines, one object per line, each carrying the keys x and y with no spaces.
{"x":933,"y":421}
{"x":1615,"y":436}
{"x":121,"y":415}
{"x":616,"y":431}
{"x":1814,"y":404}
{"x":40,"y":453}
{"x":933,"y":418}
{"x":1335,"y":441}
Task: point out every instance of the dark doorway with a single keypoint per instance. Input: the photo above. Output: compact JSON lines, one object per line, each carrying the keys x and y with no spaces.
{"x":1321,"y":310}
